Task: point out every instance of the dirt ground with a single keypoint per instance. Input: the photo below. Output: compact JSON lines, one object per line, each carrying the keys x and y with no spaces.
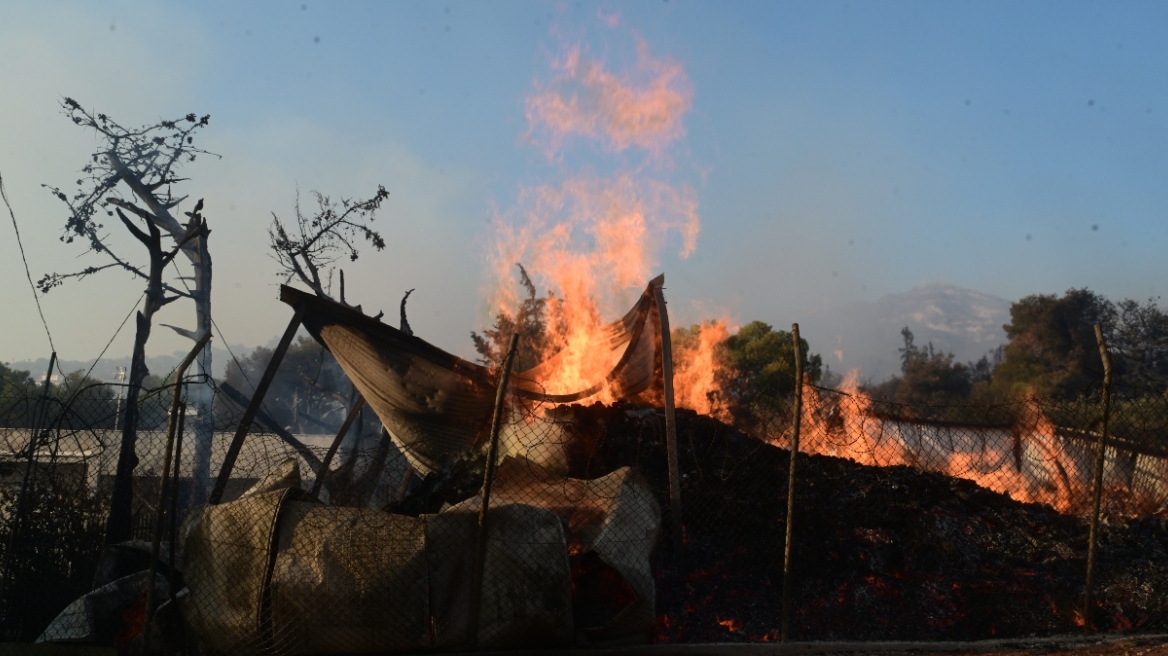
{"x":1145,"y":645}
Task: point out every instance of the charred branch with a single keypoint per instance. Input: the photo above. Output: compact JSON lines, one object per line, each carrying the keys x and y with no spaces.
{"x":405,"y":324}
{"x":309,"y":250}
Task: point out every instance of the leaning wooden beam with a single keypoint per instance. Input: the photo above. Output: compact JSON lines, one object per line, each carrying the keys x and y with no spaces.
{"x":267,"y":423}
{"x":480,"y":553}
{"x":254,"y":406}
{"x":322,"y":470}
{"x":670,"y":420}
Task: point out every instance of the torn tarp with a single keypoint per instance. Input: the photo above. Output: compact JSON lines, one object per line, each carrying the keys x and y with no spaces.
{"x":310,"y":578}
{"x":437,"y":406}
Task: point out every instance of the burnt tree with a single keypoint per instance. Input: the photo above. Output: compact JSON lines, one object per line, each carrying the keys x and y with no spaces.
{"x":132,"y":173}
{"x":309,"y":250}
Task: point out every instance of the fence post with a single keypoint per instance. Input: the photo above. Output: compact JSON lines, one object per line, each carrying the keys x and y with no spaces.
{"x":176,"y":420}
{"x":252,"y":408}
{"x":1097,"y":491}
{"x":670,"y":420}
{"x":785,"y":622}
{"x":480,"y":553}
{"x":176,"y":476}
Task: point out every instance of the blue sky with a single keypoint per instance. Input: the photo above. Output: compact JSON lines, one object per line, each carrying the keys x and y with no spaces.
{"x":838,"y":151}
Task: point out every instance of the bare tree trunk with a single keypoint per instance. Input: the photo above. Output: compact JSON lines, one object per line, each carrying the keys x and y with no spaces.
{"x":201,"y":396}
{"x":120,"y":523}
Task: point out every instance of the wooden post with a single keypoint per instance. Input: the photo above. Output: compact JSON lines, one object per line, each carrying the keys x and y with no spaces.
{"x":670,"y":421}
{"x":1097,"y":492}
{"x":253,"y":407}
{"x":175,"y":420}
{"x":785,"y":621}
{"x":322,"y":471}
{"x":173,"y":539}
{"x":480,"y":554}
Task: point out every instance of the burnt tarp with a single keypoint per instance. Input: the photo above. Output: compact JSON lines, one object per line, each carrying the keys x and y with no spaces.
{"x":611,"y":522}
{"x":437,"y":406}
{"x":226,"y":562}
{"x":297,"y":576}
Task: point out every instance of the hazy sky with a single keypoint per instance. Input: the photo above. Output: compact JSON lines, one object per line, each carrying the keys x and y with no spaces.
{"x":832,"y":151}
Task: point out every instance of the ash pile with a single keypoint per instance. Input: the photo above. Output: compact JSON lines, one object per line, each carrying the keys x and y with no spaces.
{"x":879,"y":552}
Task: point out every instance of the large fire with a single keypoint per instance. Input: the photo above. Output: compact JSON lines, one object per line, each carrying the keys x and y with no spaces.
{"x":592,"y":240}
{"x":1030,"y":461}
{"x":697,"y":369}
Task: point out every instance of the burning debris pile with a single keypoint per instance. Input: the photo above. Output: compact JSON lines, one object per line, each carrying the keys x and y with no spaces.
{"x":879,"y":552}
{"x":891,"y":552}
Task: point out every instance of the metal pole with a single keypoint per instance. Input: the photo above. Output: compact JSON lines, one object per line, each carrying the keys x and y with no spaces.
{"x":785,"y":623}
{"x":670,"y":420}
{"x":253,"y":407}
{"x":120,"y":376}
{"x":1097,"y":492}
{"x":178,"y":437}
{"x":18,"y":518}
{"x":159,"y":521}
{"x":322,"y":471}
{"x":480,"y":554}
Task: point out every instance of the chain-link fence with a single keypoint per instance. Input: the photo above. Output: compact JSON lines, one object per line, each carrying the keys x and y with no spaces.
{"x":910,"y":522}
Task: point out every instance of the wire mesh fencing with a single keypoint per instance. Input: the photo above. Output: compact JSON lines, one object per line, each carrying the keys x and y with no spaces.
{"x":911,"y":522}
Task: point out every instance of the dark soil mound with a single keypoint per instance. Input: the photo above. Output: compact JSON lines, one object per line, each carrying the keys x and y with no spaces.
{"x":879,"y":552}
{"x":890,"y":553}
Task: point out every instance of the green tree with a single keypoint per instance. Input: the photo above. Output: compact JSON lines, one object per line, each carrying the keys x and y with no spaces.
{"x":529,"y":320}
{"x":14,"y":382}
{"x":1140,"y":340}
{"x":1052,"y":348}
{"x":18,"y":395}
{"x":761,"y":365}
{"x":928,"y":376}
{"x":310,"y":393}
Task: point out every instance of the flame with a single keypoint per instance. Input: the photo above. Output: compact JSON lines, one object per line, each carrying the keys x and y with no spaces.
{"x":593,"y":240}
{"x":642,"y":107}
{"x":1029,"y":461}
{"x":697,"y":369}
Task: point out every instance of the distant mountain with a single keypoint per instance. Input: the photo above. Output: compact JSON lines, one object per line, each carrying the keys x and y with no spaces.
{"x":866,"y":335}
{"x":106,"y":369}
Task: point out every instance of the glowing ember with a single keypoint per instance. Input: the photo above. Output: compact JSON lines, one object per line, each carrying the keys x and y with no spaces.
{"x":732,"y":625}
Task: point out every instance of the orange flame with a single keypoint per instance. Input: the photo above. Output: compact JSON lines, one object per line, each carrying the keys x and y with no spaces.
{"x":641,"y":108}
{"x":1030,"y":461}
{"x":591,"y":240}
{"x":696,"y":370}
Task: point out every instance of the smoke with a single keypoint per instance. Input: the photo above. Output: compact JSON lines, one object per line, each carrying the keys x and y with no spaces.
{"x":640,"y":107}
